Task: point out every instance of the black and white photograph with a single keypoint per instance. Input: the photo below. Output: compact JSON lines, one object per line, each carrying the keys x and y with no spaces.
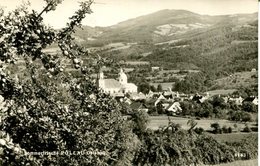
{"x":129,"y":82}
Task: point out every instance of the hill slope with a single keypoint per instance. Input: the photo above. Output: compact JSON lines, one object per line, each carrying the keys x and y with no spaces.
{"x":179,"y":39}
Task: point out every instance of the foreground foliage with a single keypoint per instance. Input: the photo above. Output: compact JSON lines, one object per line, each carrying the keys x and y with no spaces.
{"x":174,"y":146}
{"x":47,"y":109}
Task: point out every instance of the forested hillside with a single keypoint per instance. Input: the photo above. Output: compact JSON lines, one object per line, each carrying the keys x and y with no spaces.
{"x":218,"y":46}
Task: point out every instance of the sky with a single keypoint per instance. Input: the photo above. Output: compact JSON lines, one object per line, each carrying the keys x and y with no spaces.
{"x":110,"y":12}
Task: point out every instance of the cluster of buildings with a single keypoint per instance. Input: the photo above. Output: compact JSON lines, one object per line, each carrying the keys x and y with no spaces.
{"x":126,"y":92}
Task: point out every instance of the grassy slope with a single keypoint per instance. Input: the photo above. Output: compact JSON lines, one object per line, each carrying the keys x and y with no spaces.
{"x":232,"y":137}
{"x":221,"y":92}
{"x":159,"y":121}
{"x":236,"y":80}
{"x":240,"y":163}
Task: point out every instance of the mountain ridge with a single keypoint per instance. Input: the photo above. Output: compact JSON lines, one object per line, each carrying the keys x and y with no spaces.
{"x":141,"y":28}
{"x":217,"y":15}
{"x":178,"y":34}
{"x":178,"y":39}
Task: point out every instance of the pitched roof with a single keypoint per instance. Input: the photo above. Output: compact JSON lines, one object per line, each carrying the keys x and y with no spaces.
{"x":175,"y":105}
{"x":167,"y":94}
{"x":129,"y":85}
{"x":250,"y":99}
{"x":137,"y":105}
{"x":136,"y":95}
{"x":112,"y":83}
{"x":151,"y":100}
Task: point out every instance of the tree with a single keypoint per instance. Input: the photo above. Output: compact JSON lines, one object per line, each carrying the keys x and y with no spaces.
{"x":144,"y":87}
{"x":140,"y":120}
{"x":220,"y":113}
{"x":216,"y":128}
{"x":249,"y":107}
{"x":159,"y":88}
{"x":186,"y":108}
{"x":246,"y":117}
{"x":247,"y":128}
{"x":153,"y":89}
{"x":204,"y":110}
{"x":49,"y":109}
{"x":192,"y":123}
{"x":218,"y":102}
{"x":159,"y":108}
{"x":199,"y":130}
{"x":234,"y":106}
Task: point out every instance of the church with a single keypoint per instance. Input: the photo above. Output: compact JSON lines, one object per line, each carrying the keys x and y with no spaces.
{"x":113,"y":86}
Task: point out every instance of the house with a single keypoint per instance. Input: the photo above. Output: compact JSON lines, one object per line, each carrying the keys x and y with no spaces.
{"x":136,"y":96}
{"x":118,"y":96}
{"x":226,"y":99}
{"x":165,"y":104}
{"x":150,"y":94}
{"x":180,"y":96}
{"x":168,"y":95}
{"x":174,"y":108}
{"x":237,"y":100}
{"x":183,"y":97}
{"x":251,"y":99}
{"x":155,"y":68}
{"x":139,"y":106}
{"x":199,"y":98}
{"x":160,"y":98}
{"x":156,"y":94}
{"x":127,"y":100}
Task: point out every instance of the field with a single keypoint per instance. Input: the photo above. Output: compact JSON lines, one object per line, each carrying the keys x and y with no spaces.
{"x":159,"y":121}
{"x":165,"y":85}
{"x":137,"y":63}
{"x":232,"y":137}
{"x":236,"y":80}
{"x":221,"y":92}
{"x":240,"y":163}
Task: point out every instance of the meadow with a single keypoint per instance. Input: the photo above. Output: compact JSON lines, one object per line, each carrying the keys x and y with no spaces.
{"x":240,"y":163}
{"x":233,"y":137}
{"x":160,"y":121}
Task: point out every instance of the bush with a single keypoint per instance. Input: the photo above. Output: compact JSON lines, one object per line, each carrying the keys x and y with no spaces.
{"x":140,"y":120}
{"x":248,"y":146}
{"x":199,"y":130}
{"x":246,"y":117}
{"x":254,"y":129}
{"x":216,"y":128}
{"x":153,"y":112}
{"x":225,"y":129}
{"x":249,"y":107}
{"x":240,"y":116}
{"x":50,"y":110}
{"x":230,"y":130}
{"x":247,"y":129}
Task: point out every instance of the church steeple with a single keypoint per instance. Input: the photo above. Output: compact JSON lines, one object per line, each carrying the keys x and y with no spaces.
{"x":101,"y":81}
{"x":122,"y":77}
{"x":101,"y":75}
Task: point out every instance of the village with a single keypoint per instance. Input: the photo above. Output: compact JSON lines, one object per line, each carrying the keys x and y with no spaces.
{"x":168,"y":102}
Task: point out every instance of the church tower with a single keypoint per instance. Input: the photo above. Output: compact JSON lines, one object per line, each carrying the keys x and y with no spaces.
{"x":101,"y":81}
{"x":122,"y":77}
